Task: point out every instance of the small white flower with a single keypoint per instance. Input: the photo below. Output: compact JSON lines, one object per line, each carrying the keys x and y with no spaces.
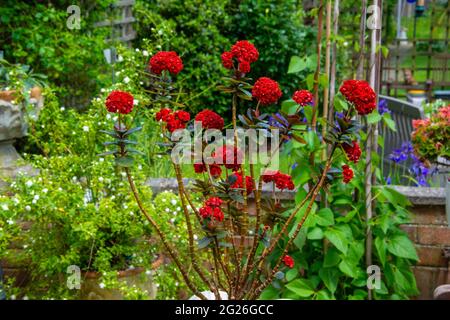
{"x":145,"y":53}
{"x":250,"y":232}
{"x":36,"y":197}
{"x":137,"y":50}
{"x":13,"y":297}
{"x":159,"y":156}
{"x":167,"y":210}
{"x":29,"y":183}
{"x":5,"y":207}
{"x":117,"y":73}
{"x":62,"y":108}
{"x":25,"y":246}
{"x":172,"y":220}
{"x":28,"y":208}
{"x":102,"y":90}
{"x":113,"y":197}
{"x":16,"y":201}
{"x":131,"y":267}
{"x":163,"y":200}
{"x":131,"y":213}
{"x":101,"y":159}
{"x":178,"y":208}
{"x":173,"y":201}
{"x":120,"y":58}
{"x":45,"y":190}
{"x":74,"y":178}
{"x":148,"y":272}
{"x":85,"y":128}
{"x":108,"y":116}
{"x":195,"y":237}
{"x":10,"y":221}
{"x":25,"y":297}
{"x":139,"y":167}
{"x":102,"y":285}
{"x":126,"y":79}
{"x":124,"y":174}
{"x":100,"y":179}
{"x":135,"y":102}
{"x":125,"y":206}
{"x":174,"y":213}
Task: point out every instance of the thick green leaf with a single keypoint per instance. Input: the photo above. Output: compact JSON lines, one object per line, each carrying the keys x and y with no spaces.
{"x":291,"y":274}
{"x":373,"y":117}
{"x":332,"y":258}
{"x":301,"y":287}
{"x":324,"y":217}
{"x":296,"y":64}
{"x":330,"y":277}
{"x":389,"y":122}
{"x":380,"y":245}
{"x":315,"y":234}
{"x":348,"y":268}
{"x":401,"y":246}
{"x":338,"y":238}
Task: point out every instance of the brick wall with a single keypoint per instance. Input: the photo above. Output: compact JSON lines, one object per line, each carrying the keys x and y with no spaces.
{"x":430,"y":233}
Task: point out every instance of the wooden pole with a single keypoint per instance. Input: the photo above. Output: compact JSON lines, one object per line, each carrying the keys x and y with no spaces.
{"x":333,"y":62}
{"x":327,"y":71}
{"x":362,"y":36}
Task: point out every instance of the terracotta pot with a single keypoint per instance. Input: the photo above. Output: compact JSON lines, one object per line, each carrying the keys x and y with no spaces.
{"x":9,"y":95}
{"x":91,"y":290}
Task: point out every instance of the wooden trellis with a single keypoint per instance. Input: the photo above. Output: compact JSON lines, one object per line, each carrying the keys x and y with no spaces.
{"x":121,"y":22}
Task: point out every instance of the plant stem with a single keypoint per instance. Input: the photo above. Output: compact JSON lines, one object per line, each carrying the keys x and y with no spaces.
{"x":172,"y":252}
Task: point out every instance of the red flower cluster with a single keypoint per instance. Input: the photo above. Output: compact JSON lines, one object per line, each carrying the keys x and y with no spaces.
{"x":417,"y":123}
{"x":347,"y":173}
{"x":303,"y":97}
{"x":239,"y":183}
{"x":120,"y":102}
{"x":212,"y":210}
{"x":229,"y":156}
{"x":210,"y":119}
{"x":244,"y":52}
{"x":214,"y":169}
{"x":174,"y":120}
{"x":288,"y":261}
{"x":353,"y":151}
{"x":266,"y":91}
{"x":166,"y":60}
{"x":282,"y":181}
{"x":360,"y":94}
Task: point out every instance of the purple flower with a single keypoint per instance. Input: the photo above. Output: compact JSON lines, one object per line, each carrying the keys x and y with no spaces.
{"x":388,"y":180}
{"x":383,"y":107}
{"x":279,"y":121}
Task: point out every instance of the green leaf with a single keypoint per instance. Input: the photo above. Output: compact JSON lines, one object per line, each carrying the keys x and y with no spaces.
{"x":289,"y":107}
{"x":296,"y":64}
{"x":331,"y":258}
{"x":301,"y":287}
{"x":349,"y":268}
{"x":339,"y":103}
{"x":315,"y":234}
{"x":380,"y":245}
{"x":373,"y":117}
{"x":291,"y":274}
{"x":324,"y":295}
{"x":310,"y":81}
{"x":401,"y":246}
{"x":323,"y":81}
{"x":389,"y":122}
{"x":300,"y":240}
{"x":270,"y":293}
{"x":338,"y":239}
{"x":324,"y":217}
{"x":330,"y":277}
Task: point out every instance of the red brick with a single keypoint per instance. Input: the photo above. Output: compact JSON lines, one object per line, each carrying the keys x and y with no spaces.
{"x":442,"y":276}
{"x":411,"y":230}
{"x":429,"y":215}
{"x":424,"y":280}
{"x":431,"y":256}
{"x":433,"y":235}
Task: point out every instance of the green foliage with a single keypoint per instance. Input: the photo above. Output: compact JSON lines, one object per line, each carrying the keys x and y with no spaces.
{"x":329,"y":251}
{"x":37,"y":35}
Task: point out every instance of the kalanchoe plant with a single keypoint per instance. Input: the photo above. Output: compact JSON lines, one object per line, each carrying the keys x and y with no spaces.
{"x":248,"y":246}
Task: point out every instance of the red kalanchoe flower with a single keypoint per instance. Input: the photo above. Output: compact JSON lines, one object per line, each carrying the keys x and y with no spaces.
{"x":238,"y":184}
{"x":182,"y":115}
{"x":353,"y":151}
{"x":229,"y":156}
{"x":303,"y":97}
{"x":214,"y":202}
{"x":282,"y":181}
{"x":420,"y":122}
{"x":360,"y":94}
{"x":347,"y":173}
{"x":166,"y":60}
{"x":210,"y":119}
{"x":245,"y":51}
{"x":214,"y":169}
{"x":244,"y":66}
{"x":266,"y":91}
{"x":205,"y":212}
{"x":288,"y":261}
{"x":218,"y":214}
{"x":163,"y":114}
{"x":120,"y":102}
{"x":227,"y":59}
